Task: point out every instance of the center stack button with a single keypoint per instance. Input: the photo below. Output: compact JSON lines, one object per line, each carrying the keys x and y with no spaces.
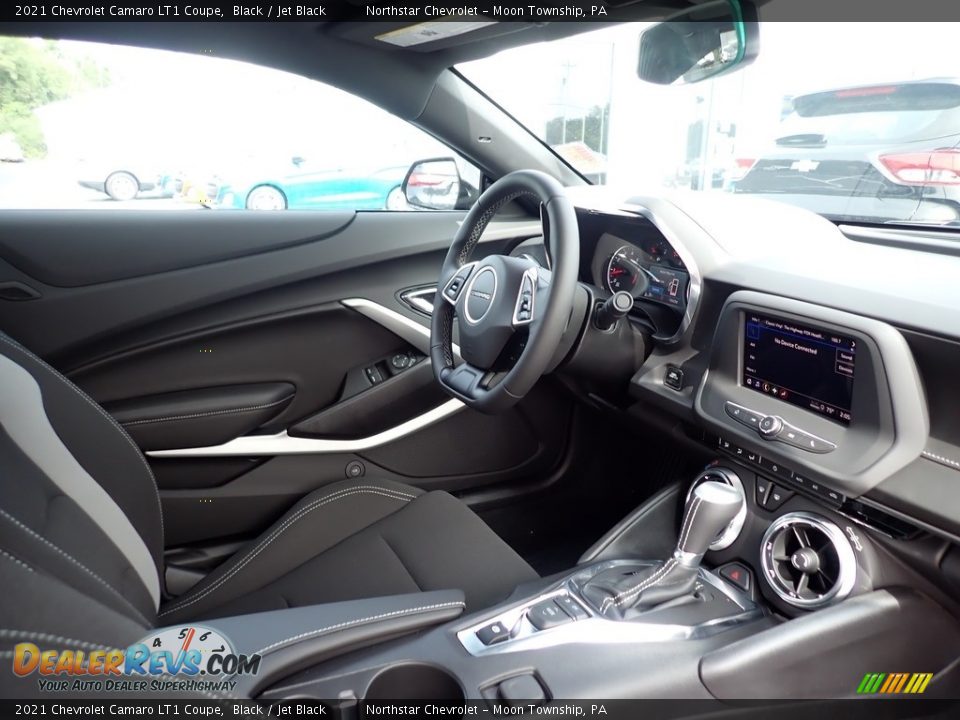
{"x":770,"y":426}
{"x":744,"y":415}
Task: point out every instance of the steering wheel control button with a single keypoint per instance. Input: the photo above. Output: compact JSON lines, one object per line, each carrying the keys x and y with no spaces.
{"x":523,"y":311}
{"x":770,"y":426}
{"x":776,"y":497}
{"x":571,"y":607}
{"x":673,"y":378}
{"x":495,"y":632}
{"x":452,"y":291}
{"x":547,"y":614}
{"x":738,"y":575}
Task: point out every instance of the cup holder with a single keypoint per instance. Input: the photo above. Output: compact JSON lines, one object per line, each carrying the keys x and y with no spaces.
{"x":414,"y":681}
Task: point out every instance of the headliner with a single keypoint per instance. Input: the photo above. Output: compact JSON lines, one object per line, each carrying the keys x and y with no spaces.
{"x":343,"y":54}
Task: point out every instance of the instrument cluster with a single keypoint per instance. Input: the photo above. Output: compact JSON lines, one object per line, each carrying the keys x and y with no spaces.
{"x":649,"y":270}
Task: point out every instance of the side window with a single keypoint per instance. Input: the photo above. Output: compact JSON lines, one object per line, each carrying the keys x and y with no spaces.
{"x":95,"y":126}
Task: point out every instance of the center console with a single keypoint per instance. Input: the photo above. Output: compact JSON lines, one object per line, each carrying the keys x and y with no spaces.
{"x":628,"y":600}
{"x":606,"y":629}
{"x":713,"y":619}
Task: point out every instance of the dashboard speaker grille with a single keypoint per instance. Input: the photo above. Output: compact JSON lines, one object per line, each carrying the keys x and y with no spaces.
{"x":807,"y":560}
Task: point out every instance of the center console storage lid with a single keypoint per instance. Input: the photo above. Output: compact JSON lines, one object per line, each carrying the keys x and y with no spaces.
{"x":292,"y":639}
{"x":896,"y":628}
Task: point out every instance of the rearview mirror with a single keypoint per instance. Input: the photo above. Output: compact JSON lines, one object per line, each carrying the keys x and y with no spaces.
{"x":700,"y":43}
{"x":433,"y":185}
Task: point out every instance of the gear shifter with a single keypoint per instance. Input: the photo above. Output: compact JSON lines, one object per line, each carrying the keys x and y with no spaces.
{"x":619,"y":593}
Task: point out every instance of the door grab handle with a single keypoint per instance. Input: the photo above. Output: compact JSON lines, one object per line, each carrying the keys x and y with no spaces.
{"x":420,"y":299}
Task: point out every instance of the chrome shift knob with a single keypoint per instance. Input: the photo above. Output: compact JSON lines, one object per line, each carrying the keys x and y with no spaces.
{"x":711,"y":507}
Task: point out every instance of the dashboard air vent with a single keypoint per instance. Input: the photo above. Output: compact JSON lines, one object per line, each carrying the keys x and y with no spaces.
{"x":807,"y":560}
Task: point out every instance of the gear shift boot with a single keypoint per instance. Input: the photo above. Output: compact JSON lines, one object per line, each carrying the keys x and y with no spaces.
{"x":621,"y":592}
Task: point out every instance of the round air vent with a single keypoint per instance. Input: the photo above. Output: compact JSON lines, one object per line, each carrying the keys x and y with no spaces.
{"x":807,"y":560}
{"x":728,"y":477}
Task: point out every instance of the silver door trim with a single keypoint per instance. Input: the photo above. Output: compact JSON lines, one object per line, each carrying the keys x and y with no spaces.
{"x":283,"y":444}
{"x":409,"y":330}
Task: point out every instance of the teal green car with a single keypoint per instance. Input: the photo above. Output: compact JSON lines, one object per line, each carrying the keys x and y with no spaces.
{"x":302,"y":188}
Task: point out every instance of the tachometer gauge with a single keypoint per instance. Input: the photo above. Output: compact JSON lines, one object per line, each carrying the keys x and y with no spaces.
{"x":625,"y":271}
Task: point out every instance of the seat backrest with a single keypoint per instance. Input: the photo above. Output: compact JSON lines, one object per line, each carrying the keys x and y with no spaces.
{"x":81,"y":527}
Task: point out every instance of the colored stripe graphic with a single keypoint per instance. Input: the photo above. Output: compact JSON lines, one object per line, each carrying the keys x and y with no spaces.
{"x":894,"y":683}
{"x":903,"y":681}
{"x":890,"y":679}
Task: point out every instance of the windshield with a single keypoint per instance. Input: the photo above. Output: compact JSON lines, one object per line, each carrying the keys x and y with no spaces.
{"x":856,"y":122}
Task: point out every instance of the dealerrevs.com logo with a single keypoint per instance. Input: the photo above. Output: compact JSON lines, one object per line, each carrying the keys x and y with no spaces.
{"x":185,"y":659}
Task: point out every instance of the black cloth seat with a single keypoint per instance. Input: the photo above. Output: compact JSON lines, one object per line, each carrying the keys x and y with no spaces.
{"x":81,"y":530}
{"x":359,"y":539}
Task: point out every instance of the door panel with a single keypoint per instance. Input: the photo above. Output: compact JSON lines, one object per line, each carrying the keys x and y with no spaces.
{"x":303,"y":303}
{"x":108,"y":246}
{"x":200,"y":416}
{"x":379,"y":253}
{"x":311,"y":349}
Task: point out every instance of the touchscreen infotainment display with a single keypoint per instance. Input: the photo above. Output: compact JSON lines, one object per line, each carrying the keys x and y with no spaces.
{"x":799,"y":364}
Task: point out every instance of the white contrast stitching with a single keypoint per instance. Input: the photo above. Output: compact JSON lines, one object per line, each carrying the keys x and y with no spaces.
{"x":55,"y":639}
{"x":298,"y":515}
{"x":941,"y":459}
{"x":697,"y":501}
{"x":76,"y":562}
{"x":684,"y":533}
{"x":349,"y":623}
{"x":209,"y":413}
{"x":139,"y":453}
{"x":17,"y":561}
{"x":619,"y":599}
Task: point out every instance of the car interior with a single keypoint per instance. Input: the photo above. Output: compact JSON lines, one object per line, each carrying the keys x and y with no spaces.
{"x":550,"y":440}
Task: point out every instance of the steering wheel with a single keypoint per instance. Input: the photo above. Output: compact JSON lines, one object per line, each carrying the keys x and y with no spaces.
{"x":510,"y":312}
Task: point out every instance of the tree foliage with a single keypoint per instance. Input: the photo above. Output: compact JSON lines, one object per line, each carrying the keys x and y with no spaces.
{"x":593,"y":129}
{"x":32,"y":74}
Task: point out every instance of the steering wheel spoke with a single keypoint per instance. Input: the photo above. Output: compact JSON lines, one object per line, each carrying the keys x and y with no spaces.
{"x":465,"y":381}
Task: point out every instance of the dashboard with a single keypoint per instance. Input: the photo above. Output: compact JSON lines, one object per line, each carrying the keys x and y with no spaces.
{"x":820,"y":369}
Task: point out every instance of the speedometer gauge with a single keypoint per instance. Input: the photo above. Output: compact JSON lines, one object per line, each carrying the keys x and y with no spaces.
{"x":625,"y":271}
